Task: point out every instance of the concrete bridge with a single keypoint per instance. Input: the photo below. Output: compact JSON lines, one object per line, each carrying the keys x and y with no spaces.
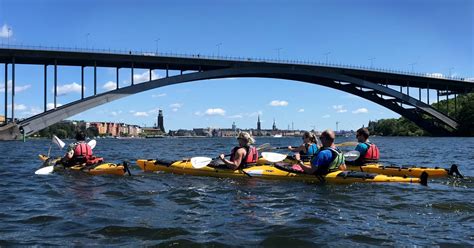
{"x":394,"y":90}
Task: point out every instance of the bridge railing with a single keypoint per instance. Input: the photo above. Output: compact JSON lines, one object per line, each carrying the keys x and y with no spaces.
{"x":232,"y":58}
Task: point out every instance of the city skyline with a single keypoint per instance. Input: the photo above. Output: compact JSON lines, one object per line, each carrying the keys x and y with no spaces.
{"x":411,"y":36}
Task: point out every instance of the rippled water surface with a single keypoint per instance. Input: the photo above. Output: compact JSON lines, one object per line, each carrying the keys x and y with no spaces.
{"x":165,"y":209}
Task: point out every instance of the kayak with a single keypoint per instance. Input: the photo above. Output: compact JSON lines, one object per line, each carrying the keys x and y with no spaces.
{"x":269,"y":171}
{"x":411,"y":171}
{"x":99,"y":168}
{"x":401,"y":171}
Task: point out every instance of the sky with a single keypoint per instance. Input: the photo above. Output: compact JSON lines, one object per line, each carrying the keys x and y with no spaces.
{"x":428,"y":36}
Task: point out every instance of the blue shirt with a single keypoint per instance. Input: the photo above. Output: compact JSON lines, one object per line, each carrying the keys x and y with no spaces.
{"x":323,"y":159}
{"x":362,"y":148}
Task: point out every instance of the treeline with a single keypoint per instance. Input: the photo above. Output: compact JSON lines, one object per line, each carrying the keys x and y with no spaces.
{"x":464,"y":114}
{"x":67,"y":130}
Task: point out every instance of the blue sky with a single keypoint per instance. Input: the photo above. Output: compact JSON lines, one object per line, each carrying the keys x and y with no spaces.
{"x":429,"y":36}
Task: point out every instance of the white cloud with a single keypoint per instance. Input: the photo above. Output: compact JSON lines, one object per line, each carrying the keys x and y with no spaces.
{"x":110,"y":85}
{"x":211,"y":111}
{"x":145,"y":76}
{"x":4,"y":32}
{"x":174,"y":109}
{"x":51,"y":105}
{"x":360,"y":111}
{"x":68,"y":88}
{"x":215,"y":111}
{"x":158,"y":95}
{"x":238,"y":116}
{"x":278,"y":103}
{"x":176,"y":105}
{"x":18,"y":88}
{"x":339,"y":108}
{"x":326,"y":116}
{"x":300,"y":110}
{"x":140,"y":114}
{"x":115,"y":113}
{"x":18,"y":107}
{"x":255,"y":113}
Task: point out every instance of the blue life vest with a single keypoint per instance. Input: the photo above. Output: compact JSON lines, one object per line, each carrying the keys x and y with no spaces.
{"x":311,"y":150}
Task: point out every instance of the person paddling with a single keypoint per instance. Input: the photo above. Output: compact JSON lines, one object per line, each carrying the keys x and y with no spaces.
{"x":78,"y":152}
{"x":369,"y":152}
{"x":327,"y":159}
{"x":242,"y":155}
{"x":308,"y":149}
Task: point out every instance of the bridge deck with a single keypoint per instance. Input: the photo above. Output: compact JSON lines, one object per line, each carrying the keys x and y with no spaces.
{"x":198,"y":63}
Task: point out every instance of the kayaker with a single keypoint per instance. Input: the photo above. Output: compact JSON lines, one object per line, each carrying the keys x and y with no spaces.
{"x":308,"y":149}
{"x":327,"y":159}
{"x":78,"y":152}
{"x":369,"y":152}
{"x":241,"y":155}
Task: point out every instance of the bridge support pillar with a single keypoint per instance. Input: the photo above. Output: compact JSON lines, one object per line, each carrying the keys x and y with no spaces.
{"x":82,"y":82}
{"x":117,"y":78}
{"x":132,"y":74}
{"x":45,"y":98}
{"x":150,"y":74}
{"x":6,"y":93}
{"x":95,"y":78}
{"x":13,"y":90}
{"x":55,"y":82}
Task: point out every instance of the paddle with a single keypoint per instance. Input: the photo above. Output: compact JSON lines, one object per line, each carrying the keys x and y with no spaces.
{"x":349,"y":143}
{"x":274,"y":157}
{"x":46,"y":170}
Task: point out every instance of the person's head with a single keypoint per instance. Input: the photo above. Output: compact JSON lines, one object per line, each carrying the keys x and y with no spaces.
{"x":80,"y":136}
{"x":327,"y":138}
{"x":244,"y":139}
{"x":362,"y":134}
{"x":309,"y":137}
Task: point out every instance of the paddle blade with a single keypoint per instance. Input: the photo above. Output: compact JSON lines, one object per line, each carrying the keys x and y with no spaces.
{"x":200,"y":162}
{"x":273,"y":156}
{"x":45,"y":170}
{"x":352,"y":155}
{"x":58,"y":142}
{"x":92,"y":143}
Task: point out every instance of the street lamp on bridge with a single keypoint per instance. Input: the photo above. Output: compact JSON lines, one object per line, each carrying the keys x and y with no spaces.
{"x":278,"y":52}
{"x":87,"y":40}
{"x":156,"y":41}
{"x":218,"y":48}
{"x":372,"y":62}
{"x":327,"y":54}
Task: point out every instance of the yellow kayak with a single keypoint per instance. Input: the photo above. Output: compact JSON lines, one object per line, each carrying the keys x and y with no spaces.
{"x":401,"y":171}
{"x":272,"y":172}
{"x":411,"y":171}
{"x":97,"y":169}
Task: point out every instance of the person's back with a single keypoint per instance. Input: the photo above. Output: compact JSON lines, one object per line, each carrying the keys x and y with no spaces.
{"x":78,"y":152}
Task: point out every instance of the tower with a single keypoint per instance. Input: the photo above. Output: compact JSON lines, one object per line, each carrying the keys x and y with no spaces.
{"x":234,"y":127}
{"x":160,"y":121}
{"x":259,"y":127}
{"x":274,"y":125}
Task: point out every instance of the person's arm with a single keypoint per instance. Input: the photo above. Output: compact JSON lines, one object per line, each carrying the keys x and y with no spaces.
{"x":234,"y":165}
{"x":297,"y":149}
{"x":322,"y":158}
{"x":70,"y":151}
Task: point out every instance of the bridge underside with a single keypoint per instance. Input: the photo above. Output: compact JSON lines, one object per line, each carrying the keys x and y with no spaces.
{"x":422,"y":114}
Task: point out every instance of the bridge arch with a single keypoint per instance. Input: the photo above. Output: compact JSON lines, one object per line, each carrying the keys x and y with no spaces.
{"x":372,"y":91}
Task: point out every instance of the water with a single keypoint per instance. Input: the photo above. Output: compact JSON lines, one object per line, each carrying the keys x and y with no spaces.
{"x":164,"y":209}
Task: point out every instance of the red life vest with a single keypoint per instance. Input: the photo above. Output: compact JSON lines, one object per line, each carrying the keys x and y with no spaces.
{"x":250,"y":158}
{"x":82,"y":151}
{"x":372,"y":154}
